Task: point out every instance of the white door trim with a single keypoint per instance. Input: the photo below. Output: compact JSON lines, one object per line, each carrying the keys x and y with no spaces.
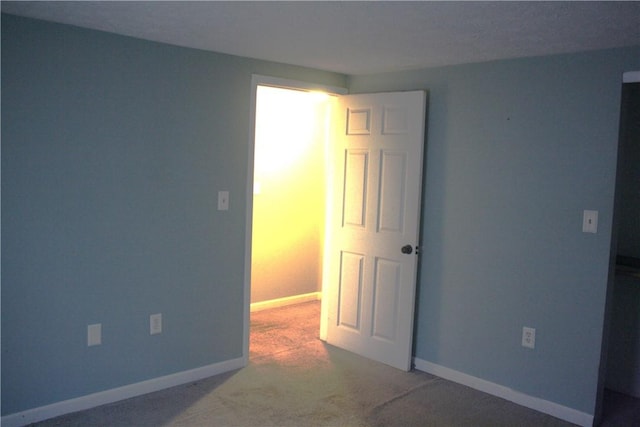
{"x":260,"y":80}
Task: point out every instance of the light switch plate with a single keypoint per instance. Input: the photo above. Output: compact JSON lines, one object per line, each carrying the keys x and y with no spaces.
{"x":155,"y":323}
{"x":590,"y":221}
{"x":223,"y":200}
{"x":94,"y":334}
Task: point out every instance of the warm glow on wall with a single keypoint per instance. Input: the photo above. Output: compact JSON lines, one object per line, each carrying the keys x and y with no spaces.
{"x":289,"y":193}
{"x":286,"y":121}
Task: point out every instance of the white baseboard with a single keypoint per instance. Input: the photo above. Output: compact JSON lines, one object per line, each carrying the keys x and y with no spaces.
{"x":113,"y":395}
{"x":281,"y":302}
{"x":559,"y":411}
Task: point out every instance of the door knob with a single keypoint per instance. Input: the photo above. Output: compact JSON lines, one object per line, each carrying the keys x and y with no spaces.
{"x":407,"y":249}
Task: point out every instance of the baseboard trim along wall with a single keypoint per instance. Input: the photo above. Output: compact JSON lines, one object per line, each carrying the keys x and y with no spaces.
{"x":113,"y":395}
{"x":281,"y":302}
{"x":559,"y":411}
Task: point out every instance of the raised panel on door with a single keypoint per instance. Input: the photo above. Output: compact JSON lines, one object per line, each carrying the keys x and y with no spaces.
{"x":356,"y":169}
{"x":350,"y":290}
{"x":393,"y":171}
{"x":386,"y":288}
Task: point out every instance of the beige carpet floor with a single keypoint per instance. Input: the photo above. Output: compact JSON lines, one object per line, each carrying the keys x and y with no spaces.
{"x":293,"y":379}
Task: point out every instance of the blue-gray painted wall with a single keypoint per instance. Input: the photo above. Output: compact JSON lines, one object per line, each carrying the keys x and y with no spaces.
{"x":113,"y":150}
{"x":516,"y":151}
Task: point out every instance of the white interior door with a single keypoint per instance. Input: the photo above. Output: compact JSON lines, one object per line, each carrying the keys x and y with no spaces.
{"x":376,"y":178}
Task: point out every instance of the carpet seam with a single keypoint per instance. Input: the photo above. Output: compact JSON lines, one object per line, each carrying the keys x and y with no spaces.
{"x":401,"y":395}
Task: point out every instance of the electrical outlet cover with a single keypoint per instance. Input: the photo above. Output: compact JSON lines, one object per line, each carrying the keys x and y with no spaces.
{"x":528,"y":337}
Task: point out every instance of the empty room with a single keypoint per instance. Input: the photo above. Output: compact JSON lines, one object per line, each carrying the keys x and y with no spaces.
{"x":459,"y":245}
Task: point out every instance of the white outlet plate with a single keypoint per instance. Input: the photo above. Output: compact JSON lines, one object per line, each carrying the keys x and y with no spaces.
{"x":528,"y":337}
{"x":94,"y":334}
{"x":155,"y":324}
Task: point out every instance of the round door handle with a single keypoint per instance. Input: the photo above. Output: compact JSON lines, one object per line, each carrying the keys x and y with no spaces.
{"x":406,"y":249}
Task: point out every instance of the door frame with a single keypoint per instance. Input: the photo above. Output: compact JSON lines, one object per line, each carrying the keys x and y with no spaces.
{"x":261,"y":80}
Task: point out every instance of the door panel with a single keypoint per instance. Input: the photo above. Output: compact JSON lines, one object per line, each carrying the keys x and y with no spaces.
{"x":350,"y":293}
{"x":386,"y":288}
{"x":393,"y":170}
{"x":376,"y":187}
{"x":356,"y":168}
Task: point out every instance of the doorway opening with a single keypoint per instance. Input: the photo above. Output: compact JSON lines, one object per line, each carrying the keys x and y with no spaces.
{"x":289,"y":198}
{"x":371,"y":217}
{"x":621,"y":396}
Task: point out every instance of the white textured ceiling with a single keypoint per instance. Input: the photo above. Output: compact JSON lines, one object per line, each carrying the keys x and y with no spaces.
{"x":360,"y":37}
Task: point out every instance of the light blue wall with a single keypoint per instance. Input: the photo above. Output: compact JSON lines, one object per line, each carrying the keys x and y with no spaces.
{"x":113,"y":150}
{"x":516,"y":151}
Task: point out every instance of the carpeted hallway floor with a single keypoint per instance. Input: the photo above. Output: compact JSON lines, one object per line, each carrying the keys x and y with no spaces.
{"x":293,"y":379}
